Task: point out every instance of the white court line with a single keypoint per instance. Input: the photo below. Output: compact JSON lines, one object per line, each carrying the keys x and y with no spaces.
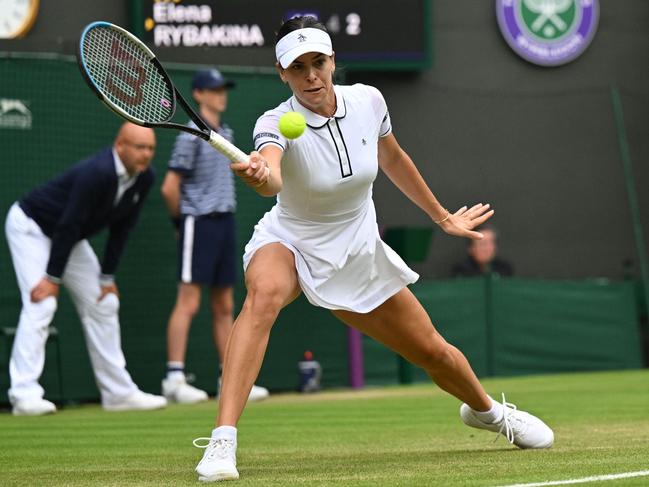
{"x":596,"y":478}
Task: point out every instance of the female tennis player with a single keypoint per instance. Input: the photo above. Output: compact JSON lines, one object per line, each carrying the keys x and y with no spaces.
{"x":321,"y":238}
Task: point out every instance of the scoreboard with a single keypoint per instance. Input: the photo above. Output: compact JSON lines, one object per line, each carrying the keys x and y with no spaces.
{"x":366,"y":34}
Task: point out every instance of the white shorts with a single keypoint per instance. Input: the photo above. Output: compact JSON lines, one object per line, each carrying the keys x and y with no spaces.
{"x":340,"y":264}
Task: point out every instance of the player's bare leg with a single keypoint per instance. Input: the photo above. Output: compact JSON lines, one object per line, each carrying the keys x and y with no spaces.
{"x":222,"y":302}
{"x":402,"y":324}
{"x":271,"y":281}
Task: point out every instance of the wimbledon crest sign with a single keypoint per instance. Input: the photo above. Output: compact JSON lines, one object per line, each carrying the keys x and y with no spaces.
{"x":548,"y":32}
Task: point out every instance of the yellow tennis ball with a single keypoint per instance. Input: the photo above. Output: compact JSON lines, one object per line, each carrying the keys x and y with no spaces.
{"x":292,"y":125}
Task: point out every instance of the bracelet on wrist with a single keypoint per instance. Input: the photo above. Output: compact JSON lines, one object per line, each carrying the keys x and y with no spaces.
{"x":448,"y":214}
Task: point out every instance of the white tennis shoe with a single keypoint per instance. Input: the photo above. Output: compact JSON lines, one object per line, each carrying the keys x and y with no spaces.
{"x":257,"y":393}
{"x":176,"y":389}
{"x":34,"y":407}
{"x":519,"y":427}
{"x":219,"y":460}
{"x":138,"y":401}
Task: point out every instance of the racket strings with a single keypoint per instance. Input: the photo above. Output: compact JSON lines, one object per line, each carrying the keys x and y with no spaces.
{"x":124,"y":73}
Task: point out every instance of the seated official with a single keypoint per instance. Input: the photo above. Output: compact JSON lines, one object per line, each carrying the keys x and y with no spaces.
{"x":481,"y":257}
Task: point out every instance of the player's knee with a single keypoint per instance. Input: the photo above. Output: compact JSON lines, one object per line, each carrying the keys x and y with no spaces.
{"x":108,"y":305}
{"x":265,"y":302}
{"x":435,"y":354}
{"x":265,"y":299}
{"x":42,"y":313}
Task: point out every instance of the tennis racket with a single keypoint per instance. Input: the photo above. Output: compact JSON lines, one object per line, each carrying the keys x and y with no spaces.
{"x":129,"y":79}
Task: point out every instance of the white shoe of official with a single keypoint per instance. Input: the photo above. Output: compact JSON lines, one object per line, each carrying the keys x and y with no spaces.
{"x":219,"y":460}
{"x":519,"y":427}
{"x":33,"y":407}
{"x":176,"y":389}
{"x":138,"y":401}
{"x":257,"y":393}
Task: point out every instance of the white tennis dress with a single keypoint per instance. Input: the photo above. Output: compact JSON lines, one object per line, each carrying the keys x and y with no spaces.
{"x":325,"y":214}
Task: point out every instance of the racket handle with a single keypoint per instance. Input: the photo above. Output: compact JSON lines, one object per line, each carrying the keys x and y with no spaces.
{"x":227,"y":148}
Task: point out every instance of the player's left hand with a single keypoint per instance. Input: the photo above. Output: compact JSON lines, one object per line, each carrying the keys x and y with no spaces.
{"x":463,"y":221}
{"x":107,"y":289}
{"x":255,"y":172}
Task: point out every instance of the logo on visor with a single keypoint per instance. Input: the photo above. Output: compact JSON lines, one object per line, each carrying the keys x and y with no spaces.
{"x":301,"y":38}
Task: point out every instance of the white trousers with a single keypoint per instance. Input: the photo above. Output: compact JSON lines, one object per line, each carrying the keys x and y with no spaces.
{"x":30,"y":251}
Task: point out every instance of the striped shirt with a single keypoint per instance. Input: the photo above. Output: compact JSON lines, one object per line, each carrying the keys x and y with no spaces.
{"x":207,"y":181}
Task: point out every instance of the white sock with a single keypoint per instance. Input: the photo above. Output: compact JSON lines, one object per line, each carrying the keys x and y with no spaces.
{"x":175,"y":370}
{"x":494,"y":415}
{"x":225,"y":433}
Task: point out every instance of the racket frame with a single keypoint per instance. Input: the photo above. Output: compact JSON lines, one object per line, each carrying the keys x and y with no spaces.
{"x":203,"y":131}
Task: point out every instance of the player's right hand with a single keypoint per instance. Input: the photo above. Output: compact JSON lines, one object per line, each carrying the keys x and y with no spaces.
{"x":255,"y":172}
{"x":44,"y":289}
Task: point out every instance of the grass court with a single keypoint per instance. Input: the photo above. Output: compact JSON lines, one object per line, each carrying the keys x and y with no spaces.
{"x":406,"y":435}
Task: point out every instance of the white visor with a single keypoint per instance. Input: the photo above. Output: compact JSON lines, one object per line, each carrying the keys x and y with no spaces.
{"x":293,"y":45}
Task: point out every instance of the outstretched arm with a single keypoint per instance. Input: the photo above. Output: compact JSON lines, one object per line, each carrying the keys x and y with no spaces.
{"x":398,"y":166}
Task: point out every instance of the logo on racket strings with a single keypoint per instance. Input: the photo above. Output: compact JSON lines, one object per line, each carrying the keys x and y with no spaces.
{"x":127,"y":69}
{"x":165,"y":103}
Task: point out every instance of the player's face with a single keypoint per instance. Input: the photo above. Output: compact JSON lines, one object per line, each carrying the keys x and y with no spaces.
{"x":310,"y":77}
{"x":215,"y":100}
{"x":483,"y":251}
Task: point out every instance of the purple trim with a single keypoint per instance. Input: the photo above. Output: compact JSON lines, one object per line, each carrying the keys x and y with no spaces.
{"x":510,"y":20}
{"x":586,"y":21}
{"x":355,"y":357}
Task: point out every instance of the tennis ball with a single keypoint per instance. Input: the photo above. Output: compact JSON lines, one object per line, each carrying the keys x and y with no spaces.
{"x":292,"y":125}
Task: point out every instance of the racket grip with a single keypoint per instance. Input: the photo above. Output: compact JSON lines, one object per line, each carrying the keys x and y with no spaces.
{"x":227,"y":148}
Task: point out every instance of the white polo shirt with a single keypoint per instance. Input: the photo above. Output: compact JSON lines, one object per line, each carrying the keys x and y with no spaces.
{"x":124,"y":179}
{"x":329,"y":170}
{"x":325,"y":214}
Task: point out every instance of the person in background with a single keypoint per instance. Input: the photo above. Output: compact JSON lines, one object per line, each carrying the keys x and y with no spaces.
{"x":482,"y":257}
{"x":47,"y":232}
{"x":200,"y":195}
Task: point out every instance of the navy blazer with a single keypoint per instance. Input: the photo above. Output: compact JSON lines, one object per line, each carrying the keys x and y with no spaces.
{"x":79,"y":203}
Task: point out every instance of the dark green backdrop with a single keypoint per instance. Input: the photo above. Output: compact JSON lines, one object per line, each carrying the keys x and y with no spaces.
{"x":70,"y":123}
{"x":505,"y":327}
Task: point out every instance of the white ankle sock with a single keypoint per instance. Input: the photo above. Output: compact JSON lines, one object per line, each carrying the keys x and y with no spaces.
{"x":225,"y":433}
{"x":175,"y":370}
{"x":175,"y":374}
{"x":494,"y":415}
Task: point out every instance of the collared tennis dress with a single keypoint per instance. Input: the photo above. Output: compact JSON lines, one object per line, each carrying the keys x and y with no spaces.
{"x":325,"y":214}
